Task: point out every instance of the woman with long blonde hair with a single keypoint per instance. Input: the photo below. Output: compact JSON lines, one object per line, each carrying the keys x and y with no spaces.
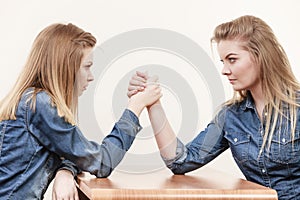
{"x":260,"y":124}
{"x":38,"y":117}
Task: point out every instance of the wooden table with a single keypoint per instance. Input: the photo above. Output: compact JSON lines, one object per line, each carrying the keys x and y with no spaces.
{"x":205,"y":184}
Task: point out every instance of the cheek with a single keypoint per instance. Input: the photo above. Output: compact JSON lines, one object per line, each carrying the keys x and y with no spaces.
{"x":248,"y":69}
{"x":255,"y":71}
{"x":80,"y":76}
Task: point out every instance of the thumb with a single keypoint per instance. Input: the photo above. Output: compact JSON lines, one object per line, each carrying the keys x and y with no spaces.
{"x":152,"y":79}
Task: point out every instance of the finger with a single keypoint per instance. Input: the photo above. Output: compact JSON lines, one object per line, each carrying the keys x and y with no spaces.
{"x":76,"y":196}
{"x":142,"y":74}
{"x":152,"y":85}
{"x":136,"y":88}
{"x":53,"y":196}
{"x":140,"y":78}
{"x":131,"y":93}
{"x":137,"y":81}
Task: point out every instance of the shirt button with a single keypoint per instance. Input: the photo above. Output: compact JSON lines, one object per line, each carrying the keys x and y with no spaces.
{"x":235,"y":139}
{"x":263,"y":171}
{"x":283,"y":139}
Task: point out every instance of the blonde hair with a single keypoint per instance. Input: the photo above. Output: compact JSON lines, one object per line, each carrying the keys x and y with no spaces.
{"x":279,"y":84}
{"x":52,"y":64}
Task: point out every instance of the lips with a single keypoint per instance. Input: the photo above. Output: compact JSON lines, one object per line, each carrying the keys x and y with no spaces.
{"x":231,"y":80}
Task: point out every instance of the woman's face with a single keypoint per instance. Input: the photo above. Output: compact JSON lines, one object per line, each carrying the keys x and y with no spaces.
{"x":238,"y":65}
{"x":84,"y":74}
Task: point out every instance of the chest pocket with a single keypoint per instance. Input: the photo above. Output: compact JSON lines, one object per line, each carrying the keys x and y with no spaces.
{"x":239,"y":145}
{"x":283,"y":150}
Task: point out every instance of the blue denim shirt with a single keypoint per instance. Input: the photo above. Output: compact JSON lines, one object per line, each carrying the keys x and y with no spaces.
{"x":37,"y":143}
{"x":239,"y":128}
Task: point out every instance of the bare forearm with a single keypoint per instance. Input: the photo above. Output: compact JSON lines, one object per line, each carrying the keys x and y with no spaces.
{"x":164,"y":134}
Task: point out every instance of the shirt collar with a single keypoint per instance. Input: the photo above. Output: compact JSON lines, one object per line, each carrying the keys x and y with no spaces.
{"x":248,"y":102}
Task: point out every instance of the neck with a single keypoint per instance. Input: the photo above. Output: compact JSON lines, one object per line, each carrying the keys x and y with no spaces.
{"x":259,"y":100}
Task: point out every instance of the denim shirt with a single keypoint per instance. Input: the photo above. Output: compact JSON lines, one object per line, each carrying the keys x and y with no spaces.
{"x":38,"y":142}
{"x":239,"y":128}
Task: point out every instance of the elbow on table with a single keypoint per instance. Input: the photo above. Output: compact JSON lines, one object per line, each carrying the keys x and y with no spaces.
{"x":177,"y":170}
{"x":103,"y":173}
{"x":181,"y":169}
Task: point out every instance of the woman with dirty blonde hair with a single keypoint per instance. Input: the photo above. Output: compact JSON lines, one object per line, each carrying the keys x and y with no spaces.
{"x":260,"y":123}
{"x":38,"y":119}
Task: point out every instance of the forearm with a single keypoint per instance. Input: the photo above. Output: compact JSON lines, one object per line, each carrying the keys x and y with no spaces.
{"x":164,"y":134}
{"x":114,"y":146}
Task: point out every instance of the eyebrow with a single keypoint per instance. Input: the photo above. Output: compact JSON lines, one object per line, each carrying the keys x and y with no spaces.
{"x":228,"y":55}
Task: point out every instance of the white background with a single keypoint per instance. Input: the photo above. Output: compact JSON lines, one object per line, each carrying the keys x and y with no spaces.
{"x":22,"y":20}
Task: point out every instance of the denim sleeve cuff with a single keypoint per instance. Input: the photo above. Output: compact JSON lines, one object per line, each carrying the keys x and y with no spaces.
{"x":67,"y":165}
{"x":132,"y":119}
{"x":70,"y":169}
{"x":181,"y":154}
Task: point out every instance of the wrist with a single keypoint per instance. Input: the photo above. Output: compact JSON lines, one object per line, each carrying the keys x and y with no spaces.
{"x":136,"y":108}
{"x":64,"y":172}
{"x":156,"y":103}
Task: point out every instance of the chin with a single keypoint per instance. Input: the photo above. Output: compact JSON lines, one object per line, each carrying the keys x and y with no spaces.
{"x":236,"y":89}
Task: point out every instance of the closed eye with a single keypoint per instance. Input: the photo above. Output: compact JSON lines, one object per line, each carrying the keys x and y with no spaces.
{"x":88,"y":65}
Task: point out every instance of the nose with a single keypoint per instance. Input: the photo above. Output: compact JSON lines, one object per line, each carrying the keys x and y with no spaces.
{"x":90,"y":77}
{"x":226,"y":70}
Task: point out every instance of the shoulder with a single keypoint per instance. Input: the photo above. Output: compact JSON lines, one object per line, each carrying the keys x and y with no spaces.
{"x":42,"y":110}
{"x":30,"y":94}
{"x":226,"y":111}
{"x":228,"y":108}
{"x":38,"y":101}
{"x":43,"y":99}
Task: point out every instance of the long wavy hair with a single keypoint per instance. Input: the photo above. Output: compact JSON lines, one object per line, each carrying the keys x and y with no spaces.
{"x":279,"y":85}
{"x":55,"y":57}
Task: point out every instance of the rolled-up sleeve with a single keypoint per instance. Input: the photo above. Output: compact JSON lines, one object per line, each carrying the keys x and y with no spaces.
{"x":206,"y":146}
{"x":181,"y":153}
{"x":68,"y":165}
